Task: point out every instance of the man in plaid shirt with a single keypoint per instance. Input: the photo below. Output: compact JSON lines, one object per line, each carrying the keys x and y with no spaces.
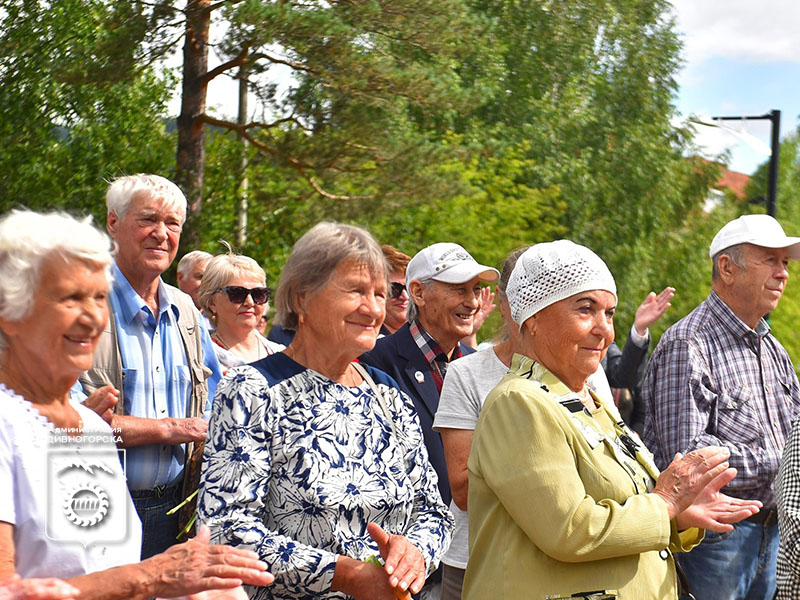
{"x":718,"y":377}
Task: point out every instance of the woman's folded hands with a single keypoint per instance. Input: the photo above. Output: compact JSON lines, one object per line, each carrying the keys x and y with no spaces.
{"x":690,"y":486}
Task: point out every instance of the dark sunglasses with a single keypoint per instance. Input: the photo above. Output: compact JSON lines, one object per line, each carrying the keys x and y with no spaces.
{"x":397,"y":290}
{"x":238,"y":294}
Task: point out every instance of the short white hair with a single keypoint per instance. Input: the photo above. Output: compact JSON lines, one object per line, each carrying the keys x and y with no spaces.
{"x":190,"y":259}
{"x":26,"y":239}
{"x":123,"y":190}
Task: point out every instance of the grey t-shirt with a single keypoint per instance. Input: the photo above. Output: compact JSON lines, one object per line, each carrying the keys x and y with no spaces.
{"x":466,"y":385}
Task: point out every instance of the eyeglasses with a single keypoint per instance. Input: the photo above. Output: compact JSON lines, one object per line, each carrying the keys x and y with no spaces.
{"x":238,"y":294}
{"x":397,"y":290}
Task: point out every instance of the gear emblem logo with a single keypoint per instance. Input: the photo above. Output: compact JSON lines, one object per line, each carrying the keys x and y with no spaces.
{"x":87,"y":495}
{"x":86,"y":505}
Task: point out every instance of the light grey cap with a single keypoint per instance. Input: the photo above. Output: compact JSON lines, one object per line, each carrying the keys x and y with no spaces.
{"x":551,"y":271}
{"x":449,"y":263}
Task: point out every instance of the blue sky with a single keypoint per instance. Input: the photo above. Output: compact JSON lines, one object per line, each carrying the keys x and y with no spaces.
{"x":741,"y":58}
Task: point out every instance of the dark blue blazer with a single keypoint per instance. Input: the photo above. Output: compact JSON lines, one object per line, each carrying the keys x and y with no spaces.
{"x":400,"y":357}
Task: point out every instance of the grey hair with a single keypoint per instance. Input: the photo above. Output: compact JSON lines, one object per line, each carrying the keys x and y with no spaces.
{"x":123,"y":190}
{"x":190,"y":259}
{"x":26,"y":239}
{"x":219,"y":271}
{"x":735,"y":253}
{"x":412,"y":311}
{"x":313,"y":260}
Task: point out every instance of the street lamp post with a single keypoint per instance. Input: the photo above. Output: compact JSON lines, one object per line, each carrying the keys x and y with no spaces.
{"x":772,"y":181}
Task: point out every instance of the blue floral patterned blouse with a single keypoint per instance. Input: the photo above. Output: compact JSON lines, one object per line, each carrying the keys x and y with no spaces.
{"x":296,"y":465}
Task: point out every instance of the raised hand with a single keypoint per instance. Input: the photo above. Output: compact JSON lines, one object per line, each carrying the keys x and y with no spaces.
{"x":687,"y":477}
{"x":196,"y":566}
{"x":102,"y":401}
{"x":487,"y":306}
{"x":652,"y":309}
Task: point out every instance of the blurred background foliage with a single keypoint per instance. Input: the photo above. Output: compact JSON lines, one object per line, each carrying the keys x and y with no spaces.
{"x":493,"y":124}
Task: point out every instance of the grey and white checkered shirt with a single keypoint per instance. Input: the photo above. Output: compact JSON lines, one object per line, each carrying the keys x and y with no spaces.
{"x":712,"y":380}
{"x":787,"y":488}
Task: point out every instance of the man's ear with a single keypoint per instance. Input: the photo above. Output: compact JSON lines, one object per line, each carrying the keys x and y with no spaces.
{"x":416,"y":292}
{"x":726,"y":267}
{"x":112,"y":220}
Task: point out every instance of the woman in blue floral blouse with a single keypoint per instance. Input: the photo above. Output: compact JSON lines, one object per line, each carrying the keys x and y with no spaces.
{"x":315,"y":462}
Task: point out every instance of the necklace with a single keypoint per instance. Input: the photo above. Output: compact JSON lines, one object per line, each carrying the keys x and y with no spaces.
{"x":260,"y":350}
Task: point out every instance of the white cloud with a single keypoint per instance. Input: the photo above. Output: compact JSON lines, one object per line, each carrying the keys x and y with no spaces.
{"x":739,"y":30}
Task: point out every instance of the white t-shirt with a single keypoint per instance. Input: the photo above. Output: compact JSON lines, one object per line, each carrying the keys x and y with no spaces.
{"x":466,"y":385}
{"x":229,"y":359}
{"x":65,"y":496}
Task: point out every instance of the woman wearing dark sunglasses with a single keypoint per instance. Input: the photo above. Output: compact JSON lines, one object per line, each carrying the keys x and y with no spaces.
{"x":234,"y":296}
{"x":397,"y":297}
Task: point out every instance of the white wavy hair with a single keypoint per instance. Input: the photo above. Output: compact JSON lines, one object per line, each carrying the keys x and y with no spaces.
{"x":26,"y":239}
{"x":123,"y":190}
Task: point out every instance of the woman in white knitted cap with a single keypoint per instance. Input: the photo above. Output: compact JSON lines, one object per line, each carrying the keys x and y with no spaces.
{"x":564,"y":501}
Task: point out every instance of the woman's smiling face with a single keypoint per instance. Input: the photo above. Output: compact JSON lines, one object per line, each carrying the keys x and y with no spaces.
{"x":58,"y":337}
{"x":346,"y":315}
{"x":570,"y":337}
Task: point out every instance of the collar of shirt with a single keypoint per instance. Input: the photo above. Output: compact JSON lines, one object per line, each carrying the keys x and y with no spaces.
{"x":430,"y":347}
{"x":729,"y":319}
{"x":130,"y":304}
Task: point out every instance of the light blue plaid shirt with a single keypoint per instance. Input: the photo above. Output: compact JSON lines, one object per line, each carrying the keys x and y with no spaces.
{"x":156,"y":376}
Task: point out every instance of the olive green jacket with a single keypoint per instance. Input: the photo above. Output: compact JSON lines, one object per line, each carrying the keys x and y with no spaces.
{"x":553,"y":510}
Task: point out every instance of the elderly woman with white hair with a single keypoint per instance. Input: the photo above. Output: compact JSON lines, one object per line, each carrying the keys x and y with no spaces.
{"x":234,"y":296}
{"x":64,"y":509}
{"x":314,"y":461}
{"x":564,"y":500}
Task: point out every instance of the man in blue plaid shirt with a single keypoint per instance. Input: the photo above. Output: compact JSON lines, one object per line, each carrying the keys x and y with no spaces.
{"x":718,"y":377}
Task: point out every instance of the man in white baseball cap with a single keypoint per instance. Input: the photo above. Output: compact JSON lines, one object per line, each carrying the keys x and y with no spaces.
{"x":444,"y":284}
{"x":718,"y":377}
{"x":759,"y":230}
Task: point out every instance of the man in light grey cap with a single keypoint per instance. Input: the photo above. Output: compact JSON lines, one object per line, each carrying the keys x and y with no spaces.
{"x":443,"y":283}
{"x":718,"y":377}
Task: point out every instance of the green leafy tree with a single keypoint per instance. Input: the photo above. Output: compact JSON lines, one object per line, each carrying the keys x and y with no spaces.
{"x":73,"y":109}
{"x":589,"y":86}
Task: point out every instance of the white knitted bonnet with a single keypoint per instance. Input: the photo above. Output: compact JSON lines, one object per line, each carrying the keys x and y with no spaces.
{"x":548,"y":272}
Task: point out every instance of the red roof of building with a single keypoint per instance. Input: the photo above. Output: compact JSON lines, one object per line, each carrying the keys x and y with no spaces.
{"x":733,"y":181}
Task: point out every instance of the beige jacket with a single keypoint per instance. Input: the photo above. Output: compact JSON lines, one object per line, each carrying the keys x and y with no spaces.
{"x":107,"y":370}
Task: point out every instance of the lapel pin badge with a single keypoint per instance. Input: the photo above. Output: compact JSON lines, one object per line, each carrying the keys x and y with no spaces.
{"x":419,"y":376}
